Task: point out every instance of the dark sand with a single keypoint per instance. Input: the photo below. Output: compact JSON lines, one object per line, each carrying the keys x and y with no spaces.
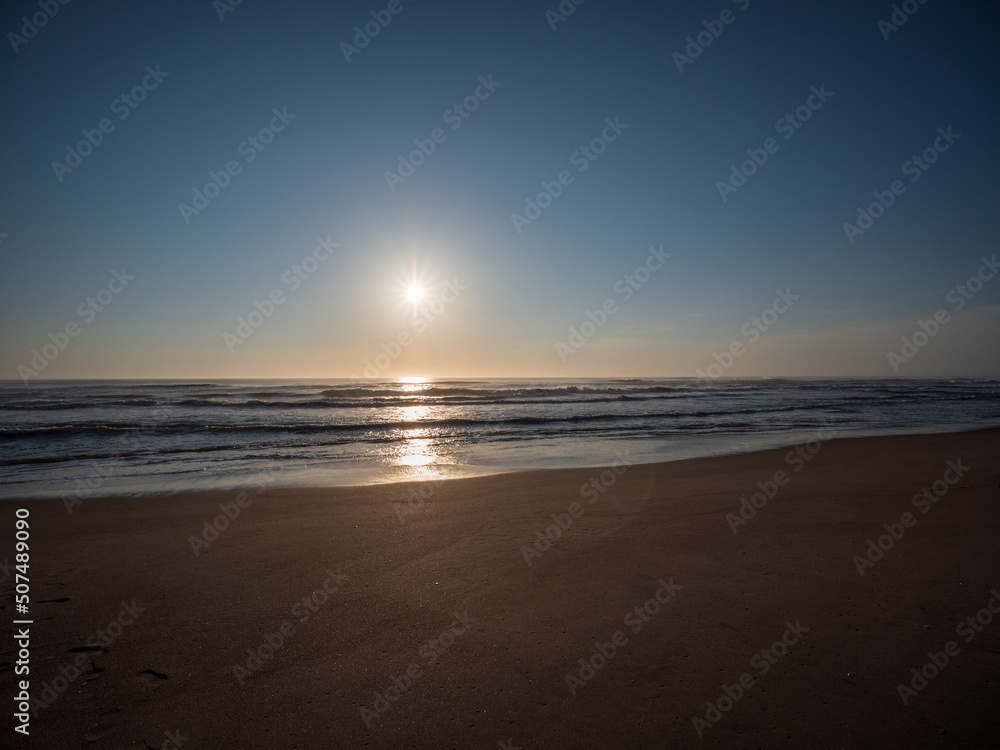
{"x":503,"y":678}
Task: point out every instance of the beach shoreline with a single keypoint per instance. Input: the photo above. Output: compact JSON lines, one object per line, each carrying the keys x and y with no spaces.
{"x":637,"y":452}
{"x":130,"y":438}
{"x":469,"y":606}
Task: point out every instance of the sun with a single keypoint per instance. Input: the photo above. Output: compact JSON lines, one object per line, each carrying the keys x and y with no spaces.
{"x":415,"y":292}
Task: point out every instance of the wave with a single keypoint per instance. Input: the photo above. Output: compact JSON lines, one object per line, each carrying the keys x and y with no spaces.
{"x":491,"y":398}
{"x":410,"y":424}
{"x":39,"y":405}
{"x":369,"y":399}
{"x":196,"y":449}
{"x":438,"y":391}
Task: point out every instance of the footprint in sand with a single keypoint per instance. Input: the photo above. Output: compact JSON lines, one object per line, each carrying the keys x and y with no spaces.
{"x":94,"y":672}
{"x":152,"y":679}
{"x":94,"y":669}
{"x":98,"y":732}
{"x":102,"y":727}
{"x":87,"y":650}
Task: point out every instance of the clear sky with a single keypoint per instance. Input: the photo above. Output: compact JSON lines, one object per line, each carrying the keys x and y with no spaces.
{"x":181,"y":92}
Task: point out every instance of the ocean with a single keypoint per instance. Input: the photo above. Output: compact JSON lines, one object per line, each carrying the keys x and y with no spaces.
{"x":78,"y":439}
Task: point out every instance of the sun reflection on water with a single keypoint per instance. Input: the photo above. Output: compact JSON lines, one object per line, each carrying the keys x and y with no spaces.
{"x":416,"y":450}
{"x":411,"y":385}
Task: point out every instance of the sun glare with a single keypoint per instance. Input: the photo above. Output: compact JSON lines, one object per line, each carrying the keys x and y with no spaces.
{"x":415,"y":292}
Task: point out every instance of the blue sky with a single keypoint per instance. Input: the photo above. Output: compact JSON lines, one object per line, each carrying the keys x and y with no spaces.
{"x":324,"y":175}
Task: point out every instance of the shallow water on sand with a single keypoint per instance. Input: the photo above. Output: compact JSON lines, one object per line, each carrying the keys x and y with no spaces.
{"x":92,"y":438}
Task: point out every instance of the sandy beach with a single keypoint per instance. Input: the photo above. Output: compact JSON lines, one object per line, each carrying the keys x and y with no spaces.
{"x":378,"y":617}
